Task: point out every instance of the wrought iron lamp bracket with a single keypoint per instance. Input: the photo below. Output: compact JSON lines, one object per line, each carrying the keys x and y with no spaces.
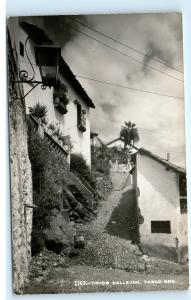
{"x":24,"y":75}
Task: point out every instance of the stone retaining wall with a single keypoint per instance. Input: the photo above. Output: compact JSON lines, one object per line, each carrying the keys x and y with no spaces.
{"x":21,"y":182}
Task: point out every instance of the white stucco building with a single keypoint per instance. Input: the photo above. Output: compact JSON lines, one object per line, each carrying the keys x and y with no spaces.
{"x":162,"y":199}
{"x":70,"y":113}
{"x":163,"y":205}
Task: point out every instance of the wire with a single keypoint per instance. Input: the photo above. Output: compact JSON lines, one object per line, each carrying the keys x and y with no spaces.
{"x":125,"y":45}
{"x":124,"y":54}
{"x":130,"y":88}
{"x":117,"y":85}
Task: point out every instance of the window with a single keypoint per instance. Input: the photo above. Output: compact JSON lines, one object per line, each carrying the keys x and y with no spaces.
{"x":79,"y":113}
{"x":182,"y":185}
{"x":183,"y":194}
{"x":21,"y":46}
{"x":160,"y":227}
{"x":81,"y":121}
{"x":183,"y":205}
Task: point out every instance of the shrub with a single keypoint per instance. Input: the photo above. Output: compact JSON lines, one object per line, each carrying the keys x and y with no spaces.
{"x":100,"y":160}
{"x":80,"y":168}
{"x":48,"y":170}
{"x":52,"y":126}
{"x":39,"y":111}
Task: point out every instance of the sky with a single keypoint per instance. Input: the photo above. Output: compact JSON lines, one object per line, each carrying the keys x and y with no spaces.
{"x":159,"y":119}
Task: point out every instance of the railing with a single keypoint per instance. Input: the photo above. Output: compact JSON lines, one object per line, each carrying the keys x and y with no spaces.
{"x":57,"y":147}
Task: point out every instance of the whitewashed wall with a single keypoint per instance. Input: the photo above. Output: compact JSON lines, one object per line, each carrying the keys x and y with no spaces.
{"x":158,"y":201}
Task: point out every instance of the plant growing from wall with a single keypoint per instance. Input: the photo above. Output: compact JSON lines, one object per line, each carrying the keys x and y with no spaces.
{"x":51,"y":127}
{"x":40,"y":111}
{"x":66,"y":142}
{"x":80,"y":168}
{"x":48,"y":171}
{"x":56,"y":133}
{"x":100,"y":160}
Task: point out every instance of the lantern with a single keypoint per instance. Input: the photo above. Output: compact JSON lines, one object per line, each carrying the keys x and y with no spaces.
{"x":47,"y":58}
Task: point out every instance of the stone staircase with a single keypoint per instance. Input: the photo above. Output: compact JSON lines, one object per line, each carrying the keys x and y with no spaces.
{"x":109,"y":238}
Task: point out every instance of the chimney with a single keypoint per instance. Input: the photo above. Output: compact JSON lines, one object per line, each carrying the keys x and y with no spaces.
{"x":168,"y":157}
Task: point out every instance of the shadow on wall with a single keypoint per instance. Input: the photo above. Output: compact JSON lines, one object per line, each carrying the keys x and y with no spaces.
{"x":122,"y":222}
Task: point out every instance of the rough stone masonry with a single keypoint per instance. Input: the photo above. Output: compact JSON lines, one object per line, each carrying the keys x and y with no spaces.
{"x":21,"y":184}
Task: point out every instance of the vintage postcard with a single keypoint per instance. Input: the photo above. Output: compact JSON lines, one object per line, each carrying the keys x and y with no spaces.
{"x":97,"y":153}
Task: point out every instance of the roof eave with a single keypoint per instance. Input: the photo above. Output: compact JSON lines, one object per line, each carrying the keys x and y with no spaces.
{"x":72,"y":78}
{"x":162,"y":161}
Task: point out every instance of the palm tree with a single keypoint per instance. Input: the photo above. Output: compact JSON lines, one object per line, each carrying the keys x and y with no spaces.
{"x":129,"y":134}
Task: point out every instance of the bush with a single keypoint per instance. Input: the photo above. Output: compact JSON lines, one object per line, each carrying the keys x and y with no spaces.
{"x":80,"y":168}
{"x":100,"y":165}
{"x":100,"y":160}
{"x":39,"y":111}
{"x":48,"y":171}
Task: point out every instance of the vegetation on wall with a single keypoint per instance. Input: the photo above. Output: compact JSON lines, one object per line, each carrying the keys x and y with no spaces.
{"x":100,"y":160}
{"x":39,"y":111}
{"x":48,"y":169}
{"x":80,"y":168}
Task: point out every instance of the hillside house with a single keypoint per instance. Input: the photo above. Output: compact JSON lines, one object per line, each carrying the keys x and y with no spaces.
{"x":69,"y":106}
{"x":162,"y":199}
{"x":163,"y":204}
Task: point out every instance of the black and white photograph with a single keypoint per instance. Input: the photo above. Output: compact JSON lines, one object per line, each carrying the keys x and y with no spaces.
{"x":97,"y":153}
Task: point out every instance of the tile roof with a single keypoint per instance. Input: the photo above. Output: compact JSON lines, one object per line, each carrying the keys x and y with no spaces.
{"x":163,"y":161}
{"x":72,"y":78}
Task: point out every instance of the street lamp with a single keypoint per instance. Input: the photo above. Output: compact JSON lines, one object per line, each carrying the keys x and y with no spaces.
{"x":47,"y":58}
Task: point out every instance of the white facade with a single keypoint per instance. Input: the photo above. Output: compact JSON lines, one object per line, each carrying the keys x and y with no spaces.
{"x":68,"y":122}
{"x":159,"y":200}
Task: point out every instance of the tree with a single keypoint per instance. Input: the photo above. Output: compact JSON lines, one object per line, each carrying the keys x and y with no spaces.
{"x":129,"y":134}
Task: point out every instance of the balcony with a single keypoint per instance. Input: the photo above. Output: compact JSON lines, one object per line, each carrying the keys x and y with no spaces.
{"x":60,"y":105}
{"x":60,"y":100}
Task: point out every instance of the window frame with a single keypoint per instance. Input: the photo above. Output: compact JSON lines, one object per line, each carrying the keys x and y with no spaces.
{"x":183,"y":194}
{"x":21,"y":49}
{"x":165,"y":229}
{"x":81,"y":120}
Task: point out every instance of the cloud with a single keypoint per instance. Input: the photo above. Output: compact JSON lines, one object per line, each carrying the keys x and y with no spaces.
{"x":109,"y":109}
{"x":155,"y":51}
